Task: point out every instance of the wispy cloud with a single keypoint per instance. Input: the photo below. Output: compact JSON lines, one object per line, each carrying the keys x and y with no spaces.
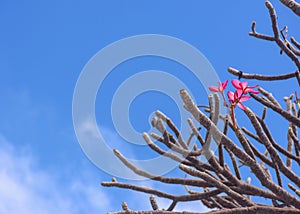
{"x":99,"y":148}
{"x":26,"y":187}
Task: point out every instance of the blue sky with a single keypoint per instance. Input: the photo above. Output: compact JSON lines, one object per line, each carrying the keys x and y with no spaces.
{"x":44,"y":47}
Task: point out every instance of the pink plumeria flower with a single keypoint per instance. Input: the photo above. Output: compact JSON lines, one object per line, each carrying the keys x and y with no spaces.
{"x":220,"y":88}
{"x":243,"y":86}
{"x":237,"y":98}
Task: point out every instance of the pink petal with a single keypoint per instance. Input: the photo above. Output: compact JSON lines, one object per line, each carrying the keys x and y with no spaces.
{"x":236,"y":84}
{"x":244,"y":98}
{"x":224,"y":84}
{"x":241,"y":106}
{"x":230,"y":96}
{"x":237,"y":94}
{"x":253,"y":91}
{"x":213,"y":88}
{"x":243,"y":85}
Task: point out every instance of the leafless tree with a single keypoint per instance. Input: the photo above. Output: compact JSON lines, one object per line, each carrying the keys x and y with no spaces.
{"x":219,"y":183}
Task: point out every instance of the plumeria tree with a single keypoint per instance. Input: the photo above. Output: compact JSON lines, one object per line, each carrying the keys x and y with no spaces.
{"x":218,"y":183}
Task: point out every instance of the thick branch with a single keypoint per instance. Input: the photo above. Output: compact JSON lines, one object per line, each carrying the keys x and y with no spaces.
{"x":162,"y":179}
{"x":293,"y":5}
{"x":193,"y":197}
{"x":241,"y":74}
{"x":277,"y":109}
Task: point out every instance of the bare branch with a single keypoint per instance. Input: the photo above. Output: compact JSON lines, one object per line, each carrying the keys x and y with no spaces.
{"x":279,"y":110}
{"x":153,"y":203}
{"x":285,"y":46}
{"x":273,"y":153}
{"x":190,"y":182}
{"x":269,"y":96}
{"x":297,"y":44}
{"x":293,"y":5}
{"x":193,"y":197}
{"x":239,"y":198}
{"x":244,"y":75}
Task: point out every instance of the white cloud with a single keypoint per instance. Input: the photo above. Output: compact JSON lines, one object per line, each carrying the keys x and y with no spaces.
{"x":27,"y":188}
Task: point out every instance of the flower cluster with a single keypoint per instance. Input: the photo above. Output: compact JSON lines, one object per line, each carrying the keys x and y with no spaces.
{"x":237,"y":97}
{"x":240,"y":95}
